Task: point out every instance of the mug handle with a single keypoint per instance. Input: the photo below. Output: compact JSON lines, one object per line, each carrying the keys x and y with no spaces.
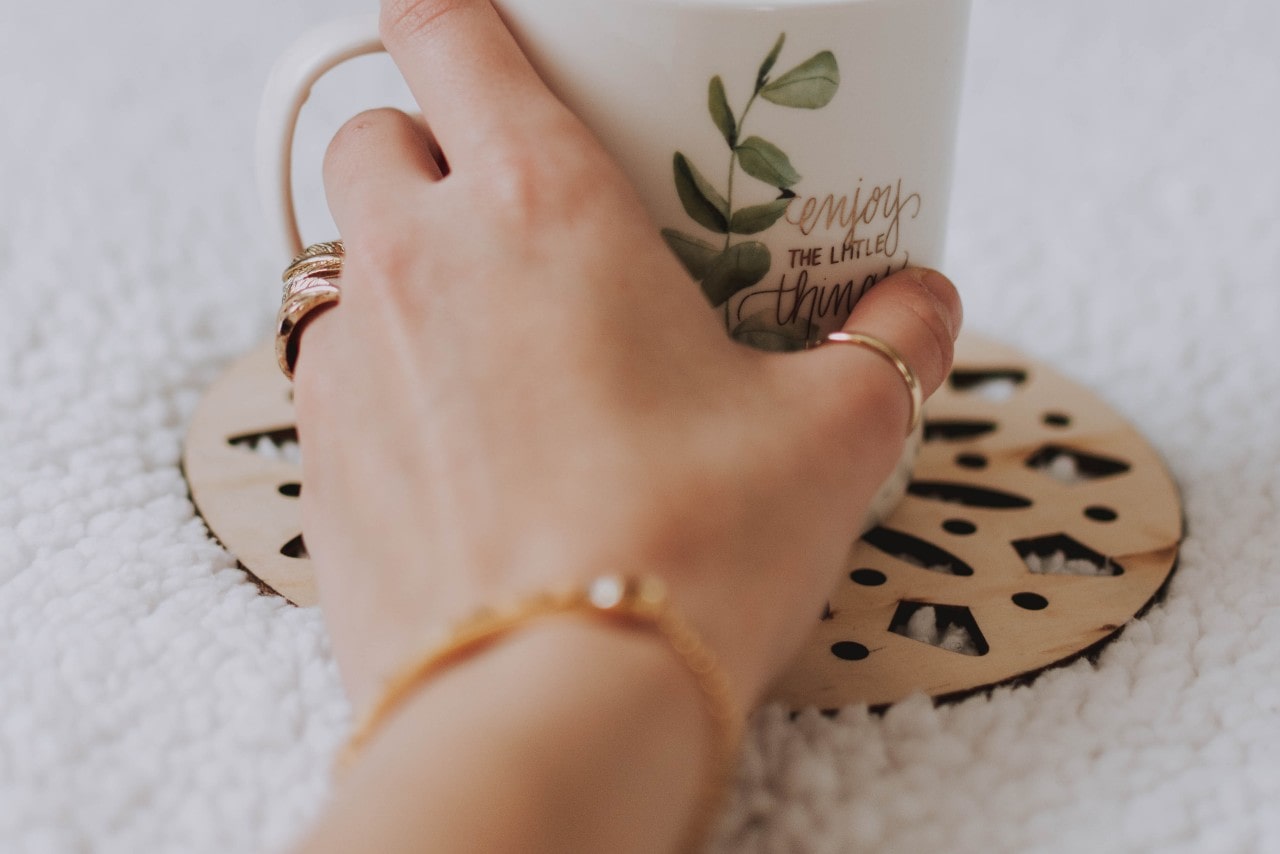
{"x":313,"y":55}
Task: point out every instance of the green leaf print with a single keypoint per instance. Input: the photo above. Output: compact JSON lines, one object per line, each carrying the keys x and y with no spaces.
{"x":810,"y":85}
{"x":701,"y":200}
{"x":721,"y":113}
{"x":724,"y":270}
{"x":767,"y":65}
{"x":757,"y":218}
{"x":761,"y":159}
{"x":741,"y":266}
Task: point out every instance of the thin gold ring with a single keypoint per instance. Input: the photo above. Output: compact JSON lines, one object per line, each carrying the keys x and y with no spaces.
{"x":303,"y":276}
{"x":859,"y":339}
{"x":326,"y":265}
{"x":331,"y":247}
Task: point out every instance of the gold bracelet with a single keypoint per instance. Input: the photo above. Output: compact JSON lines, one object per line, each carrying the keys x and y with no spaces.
{"x":636,"y":602}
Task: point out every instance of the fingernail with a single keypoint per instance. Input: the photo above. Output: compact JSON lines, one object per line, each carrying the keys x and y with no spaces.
{"x":945,"y":293}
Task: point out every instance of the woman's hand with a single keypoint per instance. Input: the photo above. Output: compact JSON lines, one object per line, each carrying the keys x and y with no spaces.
{"x":522,"y":387}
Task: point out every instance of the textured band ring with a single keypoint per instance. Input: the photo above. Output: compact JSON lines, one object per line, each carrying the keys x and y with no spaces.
{"x":310,"y":288}
{"x":304,"y":305}
{"x":858,"y":339}
{"x":331,"y":247}
{"x":319,"y":260}
{"x":306,"y":275}
{"x":319,"y":267}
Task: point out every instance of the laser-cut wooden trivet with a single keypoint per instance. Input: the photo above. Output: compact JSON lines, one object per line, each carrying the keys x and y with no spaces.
{"x":1021,"y":470}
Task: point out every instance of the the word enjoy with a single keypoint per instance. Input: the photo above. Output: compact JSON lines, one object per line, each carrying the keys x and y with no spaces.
{"x":881,"y":206}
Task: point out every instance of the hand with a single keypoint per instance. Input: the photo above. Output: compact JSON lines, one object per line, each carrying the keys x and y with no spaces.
{"x":522,"y":387}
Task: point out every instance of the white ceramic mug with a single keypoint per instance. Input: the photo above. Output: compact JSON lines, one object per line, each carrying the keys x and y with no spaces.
{"x":792,"y":153}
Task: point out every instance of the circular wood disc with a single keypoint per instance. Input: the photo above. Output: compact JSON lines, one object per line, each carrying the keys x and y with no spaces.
{"x":1038,"y":523}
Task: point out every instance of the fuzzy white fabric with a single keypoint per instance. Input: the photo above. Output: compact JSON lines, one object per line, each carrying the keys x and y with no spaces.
{"x":1117,"y":212}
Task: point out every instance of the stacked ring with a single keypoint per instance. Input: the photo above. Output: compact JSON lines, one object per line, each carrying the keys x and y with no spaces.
{"x":310,"y":288}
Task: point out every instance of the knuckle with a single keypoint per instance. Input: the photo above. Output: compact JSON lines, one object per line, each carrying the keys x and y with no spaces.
{"x":551,"y":184}
{"x":528,"y":187}
{"x":353,"y":133}
{"x":518,"y":181}
{"x":405,"y":21}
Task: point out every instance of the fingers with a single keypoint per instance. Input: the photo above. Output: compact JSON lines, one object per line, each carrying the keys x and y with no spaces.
{"x":466,"y":72}
{"x":918,"y":314}
{"x":377,"y":159}
{"x":375,"y":170}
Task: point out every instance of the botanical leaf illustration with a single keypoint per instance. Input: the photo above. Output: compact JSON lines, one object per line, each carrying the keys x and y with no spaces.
{"x":721,"y":113}
{"x":701,"y":200}
{"x":697,"y":256}
{"x":741,"y":266}
{"x":762,"y":331}
{"x":761,"y":159}
{"x":810,"y":85}
{"x":756,"y":218}
{"x":767,"y":65}
{"x":726,"y":270}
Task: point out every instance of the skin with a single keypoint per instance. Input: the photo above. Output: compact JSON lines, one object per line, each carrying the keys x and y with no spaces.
{"x":522,"y":389}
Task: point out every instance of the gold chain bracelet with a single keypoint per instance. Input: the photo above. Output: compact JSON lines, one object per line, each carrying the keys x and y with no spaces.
{"x":636,"y":602}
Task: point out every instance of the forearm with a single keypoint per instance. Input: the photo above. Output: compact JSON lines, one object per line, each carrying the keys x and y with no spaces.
{"x":566,"y":736}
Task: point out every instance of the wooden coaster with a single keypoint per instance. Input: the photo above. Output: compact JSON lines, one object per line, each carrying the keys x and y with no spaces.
{"x":1038,"y":523}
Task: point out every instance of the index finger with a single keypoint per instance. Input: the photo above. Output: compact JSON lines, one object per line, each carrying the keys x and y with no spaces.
{"x":467,"y":73}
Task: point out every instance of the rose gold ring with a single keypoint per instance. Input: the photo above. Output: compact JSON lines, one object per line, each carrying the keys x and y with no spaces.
{"x":325,"y":266}
{"x":304,"y":305}
{"x":310,"y":288}
{"x":331,"y":247}
{"x":859,"y":339}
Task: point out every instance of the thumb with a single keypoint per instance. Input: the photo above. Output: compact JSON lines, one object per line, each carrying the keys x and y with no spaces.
{"x":856,"y":394}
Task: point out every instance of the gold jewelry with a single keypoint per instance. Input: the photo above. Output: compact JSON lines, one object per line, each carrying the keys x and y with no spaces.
{"x":632,"y":602}
{"x":331,"y":247}
{"x":303,"y":304}
{"x":324,"y":265}
{"x":859,"y":339}
{"x":307,"y":277}
{"x":310,"y":288}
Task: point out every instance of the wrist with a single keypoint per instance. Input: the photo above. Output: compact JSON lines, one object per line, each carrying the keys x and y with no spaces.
{"x":598,"y":734}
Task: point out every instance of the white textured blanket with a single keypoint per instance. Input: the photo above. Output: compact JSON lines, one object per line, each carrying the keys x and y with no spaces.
{"x":1117,"y":213}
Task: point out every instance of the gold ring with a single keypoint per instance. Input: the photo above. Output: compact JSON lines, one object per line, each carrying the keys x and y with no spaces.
{"x":302,"y":307}
{"x":310,"y":287}
{"x":304,"y":274}
{"x":331,"y":247}
{"x":324,"y":266}
{"x":323,"y":260}
{"x":858,"y":339}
